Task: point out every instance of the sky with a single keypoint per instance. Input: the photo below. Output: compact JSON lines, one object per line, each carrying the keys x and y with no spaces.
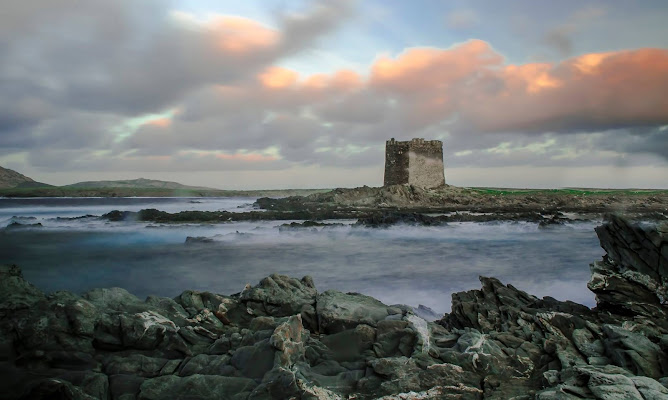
{"x":304,"y":94}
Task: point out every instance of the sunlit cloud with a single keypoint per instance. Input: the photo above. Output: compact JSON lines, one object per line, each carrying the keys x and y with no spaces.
{"x":213,"y":90}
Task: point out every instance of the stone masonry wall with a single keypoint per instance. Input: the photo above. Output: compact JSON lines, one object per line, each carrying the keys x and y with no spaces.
{"x":396,"y":163}
{"x":417,"y":162}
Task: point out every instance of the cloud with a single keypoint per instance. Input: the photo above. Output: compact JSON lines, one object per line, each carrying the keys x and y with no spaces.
{"x":153,"y":88}
{"x":467,"y":95}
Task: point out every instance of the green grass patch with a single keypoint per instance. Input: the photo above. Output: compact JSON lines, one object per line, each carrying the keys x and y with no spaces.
{"x":570,"y":191}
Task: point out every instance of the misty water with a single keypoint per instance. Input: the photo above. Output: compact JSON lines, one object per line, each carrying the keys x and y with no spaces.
{"x":401,"y":264}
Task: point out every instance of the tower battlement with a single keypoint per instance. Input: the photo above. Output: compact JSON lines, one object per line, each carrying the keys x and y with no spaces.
{"x":417,"y":162}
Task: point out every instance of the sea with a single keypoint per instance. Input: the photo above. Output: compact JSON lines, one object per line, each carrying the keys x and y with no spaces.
{"x":73,"y":249}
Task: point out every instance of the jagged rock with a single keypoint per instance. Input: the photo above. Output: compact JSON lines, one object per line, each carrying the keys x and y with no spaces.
{"x":341,"y":311}
{"x":114,"y":299}
{"x":125,"y":387}
{"x":289,"y":339}
{"x":15,"y":292}
{"x":254,"y":361}
{"x":206,"y":365}
{"x":280,"y":295}
{"x":632,"y":279}
{"x":351,"y":344}
{"x":51,"y":388}
{"x":138,"y":364}
{"x":281,"y":339}
{"x":386,"y":219}
{"x":635,"y":352}
{"x":191,"y":240}
{"x":196,"y":387}
{"x":17,"y":225}
{"x":149,"y":330}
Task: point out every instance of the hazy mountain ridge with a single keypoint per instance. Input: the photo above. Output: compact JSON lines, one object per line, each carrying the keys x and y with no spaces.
{"x":136,"y":183}
{"x":12,"y":179}
{"x":14,"y":184}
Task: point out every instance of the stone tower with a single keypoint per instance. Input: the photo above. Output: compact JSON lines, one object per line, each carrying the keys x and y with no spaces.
{"x":417,"y":162}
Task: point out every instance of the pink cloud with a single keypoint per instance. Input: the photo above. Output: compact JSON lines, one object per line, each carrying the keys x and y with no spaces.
{"x":249,"y":157}
{"x":278,"y":78}
{"x":462,"y":90}
{"x":429,"y":68}
{"x":164,"y":122}
{"x":471,"y":82}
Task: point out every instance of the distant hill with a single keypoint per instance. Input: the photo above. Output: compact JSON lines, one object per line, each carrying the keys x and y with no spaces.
{"x":140,"y":183}
{"x":12,"y":179}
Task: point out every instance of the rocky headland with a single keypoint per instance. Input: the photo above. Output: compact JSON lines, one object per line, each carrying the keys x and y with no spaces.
{"x":284,"y":339}
{"x":407,"y":204}
{"x":451,"y":199}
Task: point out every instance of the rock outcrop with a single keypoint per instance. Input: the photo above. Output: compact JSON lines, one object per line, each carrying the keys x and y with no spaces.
{"x":283,"y":339}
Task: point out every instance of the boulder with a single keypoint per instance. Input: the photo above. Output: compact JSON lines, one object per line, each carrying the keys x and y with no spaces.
{"x":280,"y":295}
{"x":339,"y":311}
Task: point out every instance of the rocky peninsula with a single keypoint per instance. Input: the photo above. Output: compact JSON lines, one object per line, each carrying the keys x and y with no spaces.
{"x":448,"y":198}
{"x":282,"y":338}
{"x":408,"y":204}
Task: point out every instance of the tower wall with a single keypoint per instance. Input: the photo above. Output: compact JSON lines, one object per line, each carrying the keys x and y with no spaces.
{"x":417,"y":162}
{"x":396,"y":163}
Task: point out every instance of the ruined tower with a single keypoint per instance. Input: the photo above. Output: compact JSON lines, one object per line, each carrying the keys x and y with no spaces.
{"x":417,"y":162}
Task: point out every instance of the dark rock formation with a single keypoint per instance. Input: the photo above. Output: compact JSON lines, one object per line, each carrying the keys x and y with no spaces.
{"x":283,"y":339}
{"x":18,"y":225}
{"x":198,"y":240}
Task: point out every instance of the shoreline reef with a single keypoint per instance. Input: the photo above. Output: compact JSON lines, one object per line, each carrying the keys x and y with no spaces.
{"x":282,"y":339}
{"x":413,"y":205}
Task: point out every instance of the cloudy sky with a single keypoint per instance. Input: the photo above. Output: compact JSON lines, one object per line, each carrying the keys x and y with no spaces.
{"x":277,"y":93}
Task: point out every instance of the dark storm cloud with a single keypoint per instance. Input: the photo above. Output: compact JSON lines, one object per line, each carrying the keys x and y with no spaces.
{"x":650,"y":140}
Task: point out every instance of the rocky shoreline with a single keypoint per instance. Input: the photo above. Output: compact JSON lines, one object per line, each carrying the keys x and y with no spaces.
{"x":418,"y":206}
{"x":409,"y":198}
{"x":283,"y":339}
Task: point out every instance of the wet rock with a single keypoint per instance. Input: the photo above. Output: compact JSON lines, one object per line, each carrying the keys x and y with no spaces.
{"x":114,"y":299}
{"x":206,"y":365}
{"x":51,"y":388}
{"x":306,"y":225}
{"x":280,"y":295}
{"x":15,"y":292}
{"x":254,"y":361}
{"x":125,"y":387}
{"x":632,"y":279}
{"x":385,"y":219}
{"x":136,"y":364}
{"x":192,"y":240}
{"x":196,"y":387}
{"x":634,"y":352}
{"x":339,"y":311}
{"x":149,"y":330}
{"x":281,"y":339}
{"x":17,"y":225}
{"x":351,"y":344}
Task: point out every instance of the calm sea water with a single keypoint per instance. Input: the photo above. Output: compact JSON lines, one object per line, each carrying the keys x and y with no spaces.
{"x":402,"y":264}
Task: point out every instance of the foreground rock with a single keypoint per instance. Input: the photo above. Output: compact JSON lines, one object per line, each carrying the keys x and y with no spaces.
{"x":283,"y":339}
